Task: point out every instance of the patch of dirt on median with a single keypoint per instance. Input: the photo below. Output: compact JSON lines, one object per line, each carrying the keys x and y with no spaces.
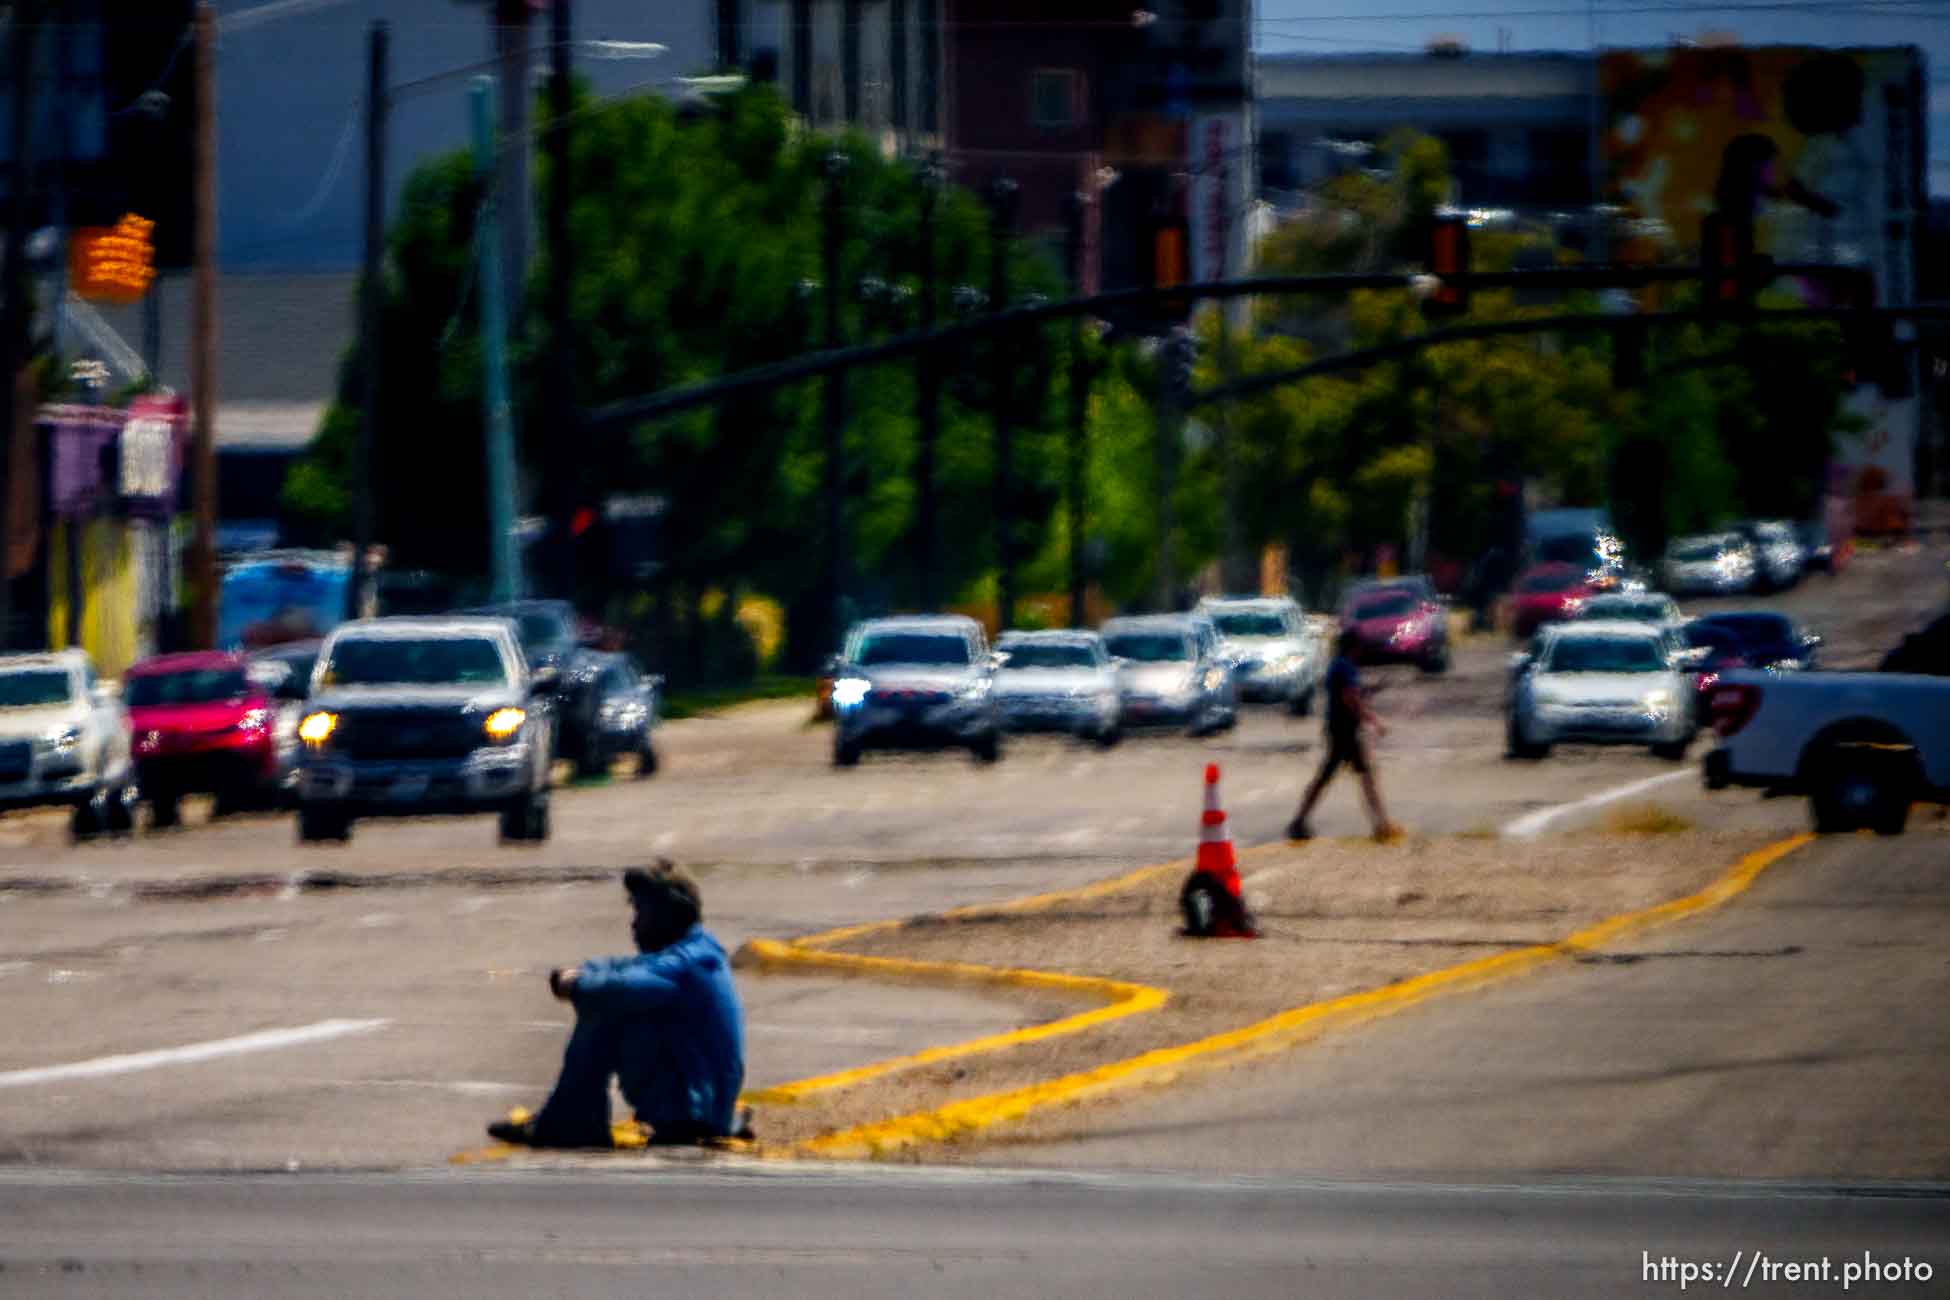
{"x":1338,"y":917}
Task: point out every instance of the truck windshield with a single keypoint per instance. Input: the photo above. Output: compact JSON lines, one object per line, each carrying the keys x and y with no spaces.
{"x":1251,"y":623}
{"x":33,"y":689}
{"x":912,"y":648}
{"x":1032,"y":655}
{"x":419,"y":661}
{"x":1150,"y":647}
{"x":1606,"y":654}
{"x":201,"y":686}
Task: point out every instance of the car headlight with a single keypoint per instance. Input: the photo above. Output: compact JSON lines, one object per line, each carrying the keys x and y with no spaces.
{"x":317,"y":728}
{"x":502,"y":724}
{"x":850,"y":692}
{"x":63,"y":739}
{"x":254,"y":720}
{"x":1658,"y":704}
{"x":1290,"y":663}
{"x":1214,"y":678}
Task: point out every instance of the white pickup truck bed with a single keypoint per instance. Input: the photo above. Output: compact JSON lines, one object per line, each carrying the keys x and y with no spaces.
{"x":1862,"y":746}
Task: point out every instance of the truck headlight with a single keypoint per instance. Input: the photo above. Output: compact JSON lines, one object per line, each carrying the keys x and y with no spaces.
{"x":63,"y":739}
{"x":502,"y":724}
{"x":1658,"y":704}
{"x":317,"y":728}
{"x":850,"y":692}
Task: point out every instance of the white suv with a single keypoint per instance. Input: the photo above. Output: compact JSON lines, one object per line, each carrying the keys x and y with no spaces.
{"x":64,"y":740}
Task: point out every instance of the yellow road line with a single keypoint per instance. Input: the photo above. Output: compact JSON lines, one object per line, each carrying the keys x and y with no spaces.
{"x":1274,"y":1033}
{"x":1123,"y":999}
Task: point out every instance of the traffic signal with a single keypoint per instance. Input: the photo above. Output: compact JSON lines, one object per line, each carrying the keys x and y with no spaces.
{"x":1448,"y":257}
{"x":1170,"y":265}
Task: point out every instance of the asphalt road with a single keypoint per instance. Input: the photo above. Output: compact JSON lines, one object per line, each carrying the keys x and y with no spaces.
{"x":885,"y":1233}
{"x":1800,"y":1032}
{"x":442,"y":938}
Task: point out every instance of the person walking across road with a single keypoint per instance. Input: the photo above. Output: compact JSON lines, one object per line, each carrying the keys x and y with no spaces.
{"x":1347,"y":712}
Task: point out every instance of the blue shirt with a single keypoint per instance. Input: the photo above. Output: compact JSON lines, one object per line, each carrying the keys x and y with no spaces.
{"x":1341,"y":674}
{"x":681,"y":1057}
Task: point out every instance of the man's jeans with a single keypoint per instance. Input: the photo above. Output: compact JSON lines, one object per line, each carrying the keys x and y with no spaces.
{"x":577,"y":1112}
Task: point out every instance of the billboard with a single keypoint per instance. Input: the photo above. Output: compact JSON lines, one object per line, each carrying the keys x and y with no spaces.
{"x":1822,"y":150}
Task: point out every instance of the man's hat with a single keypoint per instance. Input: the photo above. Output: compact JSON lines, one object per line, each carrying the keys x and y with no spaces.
{"x":665,"y":889}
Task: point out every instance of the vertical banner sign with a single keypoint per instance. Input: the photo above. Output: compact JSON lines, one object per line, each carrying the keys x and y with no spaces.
{"x":152,"y":454}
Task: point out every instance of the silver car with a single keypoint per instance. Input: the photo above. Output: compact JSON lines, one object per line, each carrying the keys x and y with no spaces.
{"x":1173,"y":673}
{"x":915,"y":683}
{"x":1779,"y":557}
{"x":1603,"y":683}
{"x":1654,"y":607}
{"x":1058,"y":681}
{"x":1709,"y":564}
{"x":1275,"y":653}
{"x":64,"y":740}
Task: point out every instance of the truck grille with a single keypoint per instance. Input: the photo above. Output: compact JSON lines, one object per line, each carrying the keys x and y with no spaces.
{"x":407,"y":734}
{"x":16,"y":760}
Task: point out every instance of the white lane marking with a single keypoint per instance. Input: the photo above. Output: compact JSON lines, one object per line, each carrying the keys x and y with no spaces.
{"x":1532,"y":822}
{"x":262,"y":1041}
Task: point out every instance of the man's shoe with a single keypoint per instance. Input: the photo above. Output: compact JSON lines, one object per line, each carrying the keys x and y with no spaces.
{"x":1387,"y":833}
{"x":524,"y":1132}
{"x":1298,"y":830}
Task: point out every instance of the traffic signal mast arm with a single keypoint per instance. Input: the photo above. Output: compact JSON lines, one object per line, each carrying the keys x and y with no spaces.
{"x":630,"y":411}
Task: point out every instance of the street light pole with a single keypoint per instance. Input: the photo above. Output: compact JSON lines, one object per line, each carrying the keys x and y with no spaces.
{"x":1002,"y":211}
{"x":203,"y":340}
{"x":503,"y":557}
{"x":563,"y":448}
{"x":1079,"y":415}
{"x":360,"y":596}
{"x":928,"y":365}
{"x":834,"y":393}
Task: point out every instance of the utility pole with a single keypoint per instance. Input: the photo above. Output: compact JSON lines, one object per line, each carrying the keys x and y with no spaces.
{"x":1002,"y":224}
{"x":1077,"y":211}
{"x":928,"y":382}
{"x":563,"y":449}
{"x":13,"y":285}
{"x":1237,"y":570}
{"x":203,"y":340}
{"x":502,"y":555}
{"x":1174,"y":358}
{"x":360,"y":594}
{"x":511,"y":47}
{"x":834,"y":392}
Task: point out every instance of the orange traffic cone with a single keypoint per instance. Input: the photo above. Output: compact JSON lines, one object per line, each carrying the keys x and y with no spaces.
{"x":1213,"y":901}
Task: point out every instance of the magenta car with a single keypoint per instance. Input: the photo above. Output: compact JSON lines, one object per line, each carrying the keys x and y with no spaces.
{"x":1399,"y":624}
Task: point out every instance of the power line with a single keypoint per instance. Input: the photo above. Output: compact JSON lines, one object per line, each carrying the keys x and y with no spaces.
{"x":1765,"y":6}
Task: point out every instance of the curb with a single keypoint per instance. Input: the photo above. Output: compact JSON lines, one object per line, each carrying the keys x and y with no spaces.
{"x":945,"y":1123}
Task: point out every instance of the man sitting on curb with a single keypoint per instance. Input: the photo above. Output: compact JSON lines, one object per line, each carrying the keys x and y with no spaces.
{"x":666,"y":1023}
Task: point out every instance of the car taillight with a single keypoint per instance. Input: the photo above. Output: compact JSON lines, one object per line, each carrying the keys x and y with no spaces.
{"x":1732,"y":707}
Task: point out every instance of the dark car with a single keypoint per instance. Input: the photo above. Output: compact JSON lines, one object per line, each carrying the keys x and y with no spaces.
{"x":415,"y":716}
{"x":626,"y":711}
{"x":1721,"y":643}
{"x":285,"y":672}
{"x":550,"y":633}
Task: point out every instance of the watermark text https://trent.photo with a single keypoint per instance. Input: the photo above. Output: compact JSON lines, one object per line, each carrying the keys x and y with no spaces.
{"x":1745,"y":1268}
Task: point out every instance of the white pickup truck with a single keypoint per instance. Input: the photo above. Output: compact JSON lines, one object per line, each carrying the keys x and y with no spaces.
{"x":1861,"y":746}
